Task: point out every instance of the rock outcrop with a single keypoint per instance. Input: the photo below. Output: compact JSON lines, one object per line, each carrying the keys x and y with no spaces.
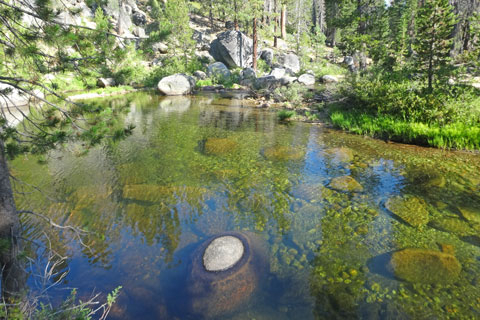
{"x":233,"y":48}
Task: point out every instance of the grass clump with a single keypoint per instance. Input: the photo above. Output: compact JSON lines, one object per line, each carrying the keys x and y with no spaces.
{"x":285,"y":115}
{"x":403,"y":109}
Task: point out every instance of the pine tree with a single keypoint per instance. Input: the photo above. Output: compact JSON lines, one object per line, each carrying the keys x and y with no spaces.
{"x":434,"y":26}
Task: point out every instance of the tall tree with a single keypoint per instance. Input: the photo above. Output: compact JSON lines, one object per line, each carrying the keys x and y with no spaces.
{"x":434,"y":26}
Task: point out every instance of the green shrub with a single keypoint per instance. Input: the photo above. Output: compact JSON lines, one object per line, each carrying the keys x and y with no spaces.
{"x":293,"y":93}
{"x":284,"y":115}
{"x":171,"y":66}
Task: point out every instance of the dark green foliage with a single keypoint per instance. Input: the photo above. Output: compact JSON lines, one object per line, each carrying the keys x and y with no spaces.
{"x":285,"y":114}
{"x":434,"y":26}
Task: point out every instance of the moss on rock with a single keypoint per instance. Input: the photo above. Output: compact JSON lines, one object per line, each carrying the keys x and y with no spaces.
{"x":453,"y":225}
{"x":346,"y":184}
{"x":411,"y":209}
{"x":219,"y":146}
{"x":425,"y":266}
{"x":283,"y":153}
{"x":470,"y":214}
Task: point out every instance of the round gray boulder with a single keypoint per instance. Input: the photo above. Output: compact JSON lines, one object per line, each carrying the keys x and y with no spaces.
{"x":218,"y":70}
{"x":307,"y":79}
{"x":223,"y":253}
{"x":176,"y":85}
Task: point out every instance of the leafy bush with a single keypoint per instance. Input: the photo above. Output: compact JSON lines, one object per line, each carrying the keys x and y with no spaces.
{"x":293,"y":93}
{"x":406,"y":99}
{"x":171,"y":66}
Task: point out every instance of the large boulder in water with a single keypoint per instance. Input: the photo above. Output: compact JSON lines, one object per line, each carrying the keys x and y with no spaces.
{"x":226,"y":269}
{"x":233,"y":48}
{"x":176,"y":85}
{"x":424,"y":266}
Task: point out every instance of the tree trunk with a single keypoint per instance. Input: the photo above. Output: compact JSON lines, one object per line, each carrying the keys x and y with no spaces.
{"x":255,"y":44}
{"x":235,"y":19}
{"x":275,"y":24}
{"x":283,"y":22}
{"x":210,"y":15}
{"x":13,"y":277}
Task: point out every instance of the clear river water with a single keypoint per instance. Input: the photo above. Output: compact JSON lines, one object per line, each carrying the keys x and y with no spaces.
{"x":353,"y":228}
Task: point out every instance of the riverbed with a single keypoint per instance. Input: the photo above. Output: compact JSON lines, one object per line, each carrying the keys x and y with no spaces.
{"x":346,"y":220}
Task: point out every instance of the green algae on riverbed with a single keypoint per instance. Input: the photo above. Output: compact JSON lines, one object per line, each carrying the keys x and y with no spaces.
{"x":188,"y":173}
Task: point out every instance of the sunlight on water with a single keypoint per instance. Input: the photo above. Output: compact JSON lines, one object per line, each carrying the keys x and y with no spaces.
{"x":338,"y":215}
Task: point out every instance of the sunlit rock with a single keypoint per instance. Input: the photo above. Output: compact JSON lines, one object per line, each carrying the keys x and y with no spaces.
{"x":425,"y":266}
{"x":410,"y":209}
{"x":284,"y":153}
{"x":226,"y":269}
{"x":223,"y":253}
{"x":346,"y":184}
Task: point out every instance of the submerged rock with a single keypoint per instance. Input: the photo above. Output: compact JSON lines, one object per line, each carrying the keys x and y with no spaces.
{"x":341,"y":154}
{"x":470,"y":214}
{"x":283,"y":153}
{"x":425,"y":266}
{"x":226,"y":269}
{"x":218,"y":146}
{"x":223,"y":253}
{"x":453,"y":225}
{"x":410,"y":209}
{"x":346,"y":184}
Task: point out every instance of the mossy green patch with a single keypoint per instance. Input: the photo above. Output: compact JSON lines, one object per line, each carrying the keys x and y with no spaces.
{"x":219,"y":146}
{"x":453,"y":225}
{"x":411,"y":209}
{"x":470,"y":214}
{"x":346,"y":184}
{"x":283,"y":153}
{"x":425,"y":266}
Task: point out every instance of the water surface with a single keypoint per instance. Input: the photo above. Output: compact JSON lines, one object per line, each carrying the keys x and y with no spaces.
{"x":198,"y":167}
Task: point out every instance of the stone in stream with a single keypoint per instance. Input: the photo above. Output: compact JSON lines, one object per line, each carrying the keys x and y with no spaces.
{"x":452,"y":225}
{"x":223,"y":253}
{"x":176,"y":85}
{"x":345,"y":184}
{"x":410,"y":209}
{"x":225,"y":270}
{"x":470,"y":214}
{"x":219,"y":146}
{"x":341,"y":154}
{"x":424,"y":266}
{"x":283,"y":153}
